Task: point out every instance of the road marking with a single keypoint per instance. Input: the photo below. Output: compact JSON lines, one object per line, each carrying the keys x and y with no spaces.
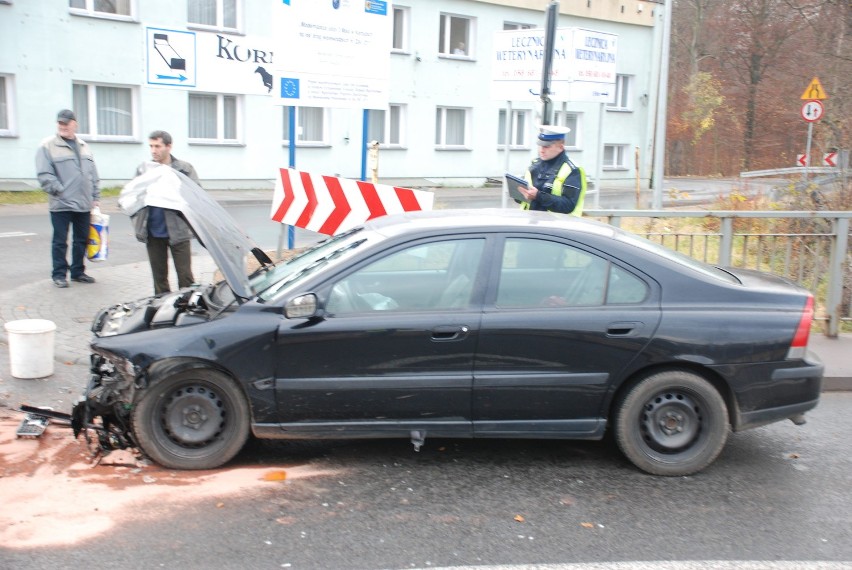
{"x":669,"y":565}
{"x":16,"y":234}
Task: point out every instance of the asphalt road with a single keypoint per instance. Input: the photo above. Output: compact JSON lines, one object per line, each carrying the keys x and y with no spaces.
{"x":776,"y":494}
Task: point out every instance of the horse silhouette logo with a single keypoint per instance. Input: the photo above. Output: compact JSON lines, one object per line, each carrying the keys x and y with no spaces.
{"x":266,"y":77}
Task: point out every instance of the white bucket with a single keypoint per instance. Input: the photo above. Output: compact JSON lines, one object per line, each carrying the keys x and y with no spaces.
{"x":31,"y":347}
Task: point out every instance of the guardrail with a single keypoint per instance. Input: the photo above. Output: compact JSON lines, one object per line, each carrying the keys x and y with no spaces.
{"x":813,"y":251}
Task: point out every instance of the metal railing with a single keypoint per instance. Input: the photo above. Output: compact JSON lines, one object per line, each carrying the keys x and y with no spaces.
{"x":811,"y":248}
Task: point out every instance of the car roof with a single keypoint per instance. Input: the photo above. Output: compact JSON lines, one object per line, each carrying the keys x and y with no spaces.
{"x":495,"y":219}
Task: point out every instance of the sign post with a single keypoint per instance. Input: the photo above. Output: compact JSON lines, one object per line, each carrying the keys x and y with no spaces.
{"x":812,"y":111}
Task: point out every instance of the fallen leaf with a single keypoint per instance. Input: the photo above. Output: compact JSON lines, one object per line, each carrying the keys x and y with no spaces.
{"x":519,"y":518}
{"x":220,"y":505}
{"x":275,"y":476}
{"x":587,"y":525}
{"x":794,"y":456}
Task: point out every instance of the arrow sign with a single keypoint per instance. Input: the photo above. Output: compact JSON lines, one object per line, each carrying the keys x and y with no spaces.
{"x":172,"y":77}
{"x":331,"y":205}
{"x":802,"y":159}
{"x":830,"y":159}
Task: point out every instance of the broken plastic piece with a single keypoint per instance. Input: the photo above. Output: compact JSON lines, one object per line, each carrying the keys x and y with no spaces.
{"x":32,"y":426}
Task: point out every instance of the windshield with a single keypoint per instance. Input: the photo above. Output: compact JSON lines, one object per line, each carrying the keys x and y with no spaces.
{"x":269,"y":284}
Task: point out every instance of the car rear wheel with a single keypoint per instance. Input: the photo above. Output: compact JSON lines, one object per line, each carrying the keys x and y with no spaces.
{"x":195,"y":419}
{"x":671,"y":423}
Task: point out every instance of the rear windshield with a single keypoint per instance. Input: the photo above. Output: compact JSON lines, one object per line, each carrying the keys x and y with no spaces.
{"x":677,"y":257}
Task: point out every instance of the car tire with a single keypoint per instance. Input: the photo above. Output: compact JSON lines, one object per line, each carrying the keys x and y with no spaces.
{"x":195,"y":419}
{"x":671,"y":423}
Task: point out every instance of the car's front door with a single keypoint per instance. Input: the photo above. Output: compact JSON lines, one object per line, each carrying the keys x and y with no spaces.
{"x":395,"y":350}
{"x":559,"y":323}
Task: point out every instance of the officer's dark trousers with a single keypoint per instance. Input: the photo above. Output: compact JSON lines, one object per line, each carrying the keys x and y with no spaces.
{"x":158,"y":255}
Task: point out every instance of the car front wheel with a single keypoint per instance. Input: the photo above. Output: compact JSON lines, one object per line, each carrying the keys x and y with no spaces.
{"x":671,"y":423}
{"x":195,"y":419}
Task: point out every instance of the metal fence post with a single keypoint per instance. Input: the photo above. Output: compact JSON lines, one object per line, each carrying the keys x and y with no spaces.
{"x":834,"y":295}
{"x":726,"y":246}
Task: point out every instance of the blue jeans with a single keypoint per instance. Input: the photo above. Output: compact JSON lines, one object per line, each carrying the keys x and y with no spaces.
{"x":79,"y":222}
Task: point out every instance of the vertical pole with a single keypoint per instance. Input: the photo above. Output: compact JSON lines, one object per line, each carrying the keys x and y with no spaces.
{"x":596,"y":197}
{"x":509,"y":117}
{"x":365,"y":121}
{"x":291,"y":231}
{"x":662,"y":94}
{"x":834,"y":295}
{"x":549,"y":39}
{"x":808,"y":148}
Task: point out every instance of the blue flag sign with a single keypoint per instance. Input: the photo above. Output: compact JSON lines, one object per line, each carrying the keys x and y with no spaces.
{"x":289,"y":88}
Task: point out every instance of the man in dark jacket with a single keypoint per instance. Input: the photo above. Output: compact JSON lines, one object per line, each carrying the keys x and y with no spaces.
{"x":164,"y":230}
{"x":554,"y":183}
{"x":66,"y":171}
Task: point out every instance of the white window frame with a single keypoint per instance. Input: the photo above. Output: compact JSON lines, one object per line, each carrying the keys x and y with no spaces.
{"x":615,"y":157}
{"x":623,"y":94}
{"x":521,"y":128}
{"x":447,"y":41}
{"x":91,"y":132}
{"x":395,"y":119}
{"x":300,"y":141}
{"x":219,"y":26}
{"x":401,"y":29}
{"x":10,"y":110}
{"x":441,"y":128}
{"x":220,"y":139}
{"x":573,"y":121}
{"x":89,"y":10}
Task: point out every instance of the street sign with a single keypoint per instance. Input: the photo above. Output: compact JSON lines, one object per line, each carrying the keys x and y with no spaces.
{"x":171,"y":57}
{"x":814,"y":91}
{"x":812,"y":111}
{"x":801,"y":160}
{"x":829,"y":159}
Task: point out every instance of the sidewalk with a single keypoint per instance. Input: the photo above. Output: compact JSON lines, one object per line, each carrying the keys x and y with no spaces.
{"x":73,"y":309}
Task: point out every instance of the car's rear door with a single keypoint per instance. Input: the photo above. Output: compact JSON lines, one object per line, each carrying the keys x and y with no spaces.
{"x":395,"y":350}
{"x":560,"y":323}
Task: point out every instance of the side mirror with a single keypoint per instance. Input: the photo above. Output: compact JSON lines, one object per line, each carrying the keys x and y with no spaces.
{"x":301,"y":307}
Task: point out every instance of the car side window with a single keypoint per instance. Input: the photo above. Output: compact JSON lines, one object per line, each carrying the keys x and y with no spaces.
{"x":543,"y":273}
{"x":426,"y":277}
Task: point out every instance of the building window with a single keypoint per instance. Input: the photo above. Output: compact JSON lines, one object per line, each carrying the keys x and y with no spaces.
{"x":451,"y":127}
{"x":615,"y":157}
{"x":7,"y":107}
{"x":216,"y":14}
{"x":400,"y":28}
{"x":105,"y":112}
{"x":519,"y":129}
{"x":623,"y":89}
{"x":386,"y":126}
{"x":122,"y":9}
{"x":457,"y":35}
{"x":311,"y":125}
{"x":214,"y":118}
{"x":516,"y":26}
{"x":572,"y":121}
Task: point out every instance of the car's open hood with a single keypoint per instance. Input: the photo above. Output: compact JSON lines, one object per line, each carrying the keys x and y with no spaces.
{"x":165,"y":187}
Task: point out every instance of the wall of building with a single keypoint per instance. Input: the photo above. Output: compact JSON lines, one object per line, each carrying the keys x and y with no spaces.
{"x":44,"y":48}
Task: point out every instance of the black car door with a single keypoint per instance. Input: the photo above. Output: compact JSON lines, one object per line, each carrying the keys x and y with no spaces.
{"x":395,"y":350}
{"x":559,"y":325}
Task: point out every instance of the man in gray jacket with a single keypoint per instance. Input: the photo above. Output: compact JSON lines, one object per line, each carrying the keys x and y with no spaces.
{"x":66,"y":171}
{"x":164,"y":230}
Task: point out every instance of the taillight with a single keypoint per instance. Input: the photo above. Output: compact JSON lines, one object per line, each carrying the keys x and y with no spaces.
{"x":799,"y":346}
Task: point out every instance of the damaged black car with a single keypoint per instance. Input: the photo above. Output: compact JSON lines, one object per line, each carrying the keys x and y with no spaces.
{"x":448,"y":324}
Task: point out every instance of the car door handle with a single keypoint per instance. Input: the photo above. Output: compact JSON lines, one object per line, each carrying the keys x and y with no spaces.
{"x":623,"y":329}
{"x":446,"y":333}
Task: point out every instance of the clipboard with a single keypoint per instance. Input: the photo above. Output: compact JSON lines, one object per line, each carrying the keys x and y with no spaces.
{"x":512,"y":183}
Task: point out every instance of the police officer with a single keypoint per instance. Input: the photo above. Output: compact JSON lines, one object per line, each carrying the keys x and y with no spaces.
{"x":555,"y":184}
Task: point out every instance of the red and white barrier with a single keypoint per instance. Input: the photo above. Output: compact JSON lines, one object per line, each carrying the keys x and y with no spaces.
{"x":331,"y":205}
